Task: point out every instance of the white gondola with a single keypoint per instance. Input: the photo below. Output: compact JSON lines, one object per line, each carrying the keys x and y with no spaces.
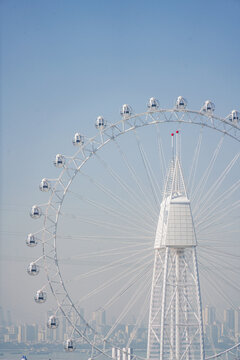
{"x":100,"y":123}
{"x":53,"y":322}
{"x":153,"y":104}
{"x":181,"y":103}
{"x":234,"y":116}
{"x":40,"y":297}
{"x":45,"y":185}
{"x":33,"y":269}
{"x":126,"y":110}
{"x":35,"y":212}
{"x":59,"y":161}
{"x":208,"y":107}
{"x":69,"y":345}
{"x":78,"y":140}
{"x":31,"y":240}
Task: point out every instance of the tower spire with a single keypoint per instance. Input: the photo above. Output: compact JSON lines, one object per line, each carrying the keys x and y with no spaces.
{"x":175,"y":329}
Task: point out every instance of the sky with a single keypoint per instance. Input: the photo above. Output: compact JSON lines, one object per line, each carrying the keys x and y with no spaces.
{"x":63,"y":63}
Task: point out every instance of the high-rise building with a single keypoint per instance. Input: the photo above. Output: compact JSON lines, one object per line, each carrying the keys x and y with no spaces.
{"x":9,"y":318}
{"x":21,"y":333}
{"x":237,"y":324}
{"x":99,"y":317}
{"x":31,"y":333}
{"x":229,"y":318}
{"x":209,"y":315}
{"x":2,"y":318}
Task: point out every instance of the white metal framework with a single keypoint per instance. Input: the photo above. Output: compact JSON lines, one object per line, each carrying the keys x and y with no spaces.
{"x":175,"y":329}
{"x":175,"y":321}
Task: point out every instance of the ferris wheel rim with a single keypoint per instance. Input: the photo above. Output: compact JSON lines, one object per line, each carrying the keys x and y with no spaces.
{"x":95,"y":144}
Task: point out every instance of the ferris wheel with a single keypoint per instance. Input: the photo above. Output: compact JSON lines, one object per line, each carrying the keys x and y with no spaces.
{"x":101,"y":216}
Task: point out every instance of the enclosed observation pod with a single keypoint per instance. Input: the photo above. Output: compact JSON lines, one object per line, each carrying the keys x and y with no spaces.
{"x":59,"y":161}
{"x":35,"y":212}
{"x":69,"y":345}
{"x":33,"y":269}
{"x":78,"y":139}
{"x":100,"y":123}
{"x":53,"y":322}
{"x":234,"y":117}
{"x":126,"y":110}
{"x":45,"y":185}
{"x":40,"y":297}
{"x":31,"y":240}
{"x":153,"y":104}
{"x":181,"y":103}
{"x":208,"y":107}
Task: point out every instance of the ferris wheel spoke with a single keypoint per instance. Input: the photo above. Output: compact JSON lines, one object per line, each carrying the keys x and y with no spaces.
{"x":204,"y":272}
{"x":123,"y":239}
{"x":104,"y":224}
{"x":221,"y":200}
{"x":204,"y":234}
{"x":149,"y":172}
{"x":113,"y":280}
{"x":217,"y":263}
{"x":147,"y":204}
{"x":120,"y":201}
{"x":216,"y":218}
{"x":205,"y":202}
{"x":109,"y":266}
{"x":220,"y":253}
{"x":139,"y":291}
{"x":133,"y":194}
{"x":123,"y":290}
{"x":162,"y":158}
{"x":115,"y":213}
{"x":217,"y":285}
{"x":202,"y":183}
{"x":142,"y":314}
{"x":116,"y":251}
{"x":193,"y":168}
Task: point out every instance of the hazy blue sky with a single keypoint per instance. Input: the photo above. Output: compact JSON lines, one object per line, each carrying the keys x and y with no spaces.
{"x":65,"y":62}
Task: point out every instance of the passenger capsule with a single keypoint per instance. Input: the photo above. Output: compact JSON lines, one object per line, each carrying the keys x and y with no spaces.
{"x":100,"y":123}
{"x":33,"y":269}
{"x":31,"y":240}
{"x":126,"y":110}
{"x":78,"y":140}
{"x":181,"y":103}
{"x":69,"y":345}
{"x":35,"y":212}
{"x":234,"y":117}
{"x":153,"y":103}
{"x":45,"y":185}
{"x":208,"y":107}
{"x":40,"y":297}
{"x":53,"y":322}
{"x":59,"y":161}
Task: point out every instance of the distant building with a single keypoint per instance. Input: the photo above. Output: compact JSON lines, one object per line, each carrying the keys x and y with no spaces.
{"x":229,"y":318}
{"x":237,"y":324}
{"x":209,"y":315}
{"x":99,"y":317}
{"x":21,"y":334}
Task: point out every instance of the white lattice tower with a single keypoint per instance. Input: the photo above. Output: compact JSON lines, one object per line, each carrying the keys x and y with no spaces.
{"x":175,"y":330}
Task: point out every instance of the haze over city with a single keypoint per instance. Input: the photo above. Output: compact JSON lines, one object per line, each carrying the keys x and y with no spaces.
{"x":64,"y":64}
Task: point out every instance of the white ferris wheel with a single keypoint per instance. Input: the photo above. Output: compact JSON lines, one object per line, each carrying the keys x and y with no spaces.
{"x":100,"y":223}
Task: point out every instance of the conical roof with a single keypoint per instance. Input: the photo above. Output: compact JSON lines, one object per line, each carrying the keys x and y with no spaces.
{"x":175,"y":224}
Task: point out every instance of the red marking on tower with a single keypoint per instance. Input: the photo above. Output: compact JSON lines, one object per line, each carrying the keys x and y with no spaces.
{"x":172,"y":134}
{"x":177,"y":131}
